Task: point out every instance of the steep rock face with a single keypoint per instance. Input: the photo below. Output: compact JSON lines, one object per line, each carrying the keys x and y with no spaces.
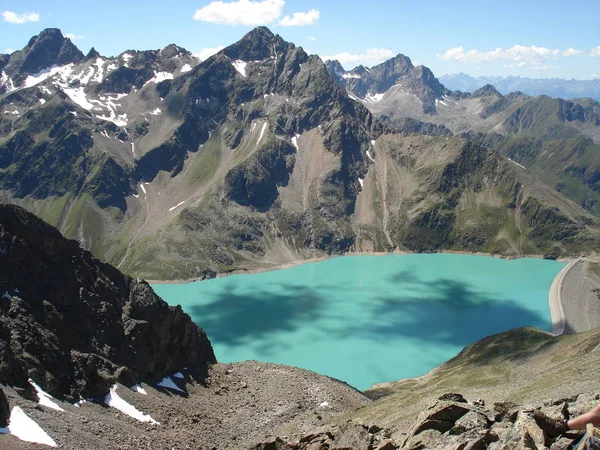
{"x":74,"y":324}
{"x":49,"y":48}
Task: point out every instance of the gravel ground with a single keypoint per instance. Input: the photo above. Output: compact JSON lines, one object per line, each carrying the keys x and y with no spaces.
{"x":242,"y":403}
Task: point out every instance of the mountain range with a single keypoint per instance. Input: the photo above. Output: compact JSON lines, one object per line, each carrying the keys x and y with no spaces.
{"x":171,"y":168}
{"x":552,"y":87}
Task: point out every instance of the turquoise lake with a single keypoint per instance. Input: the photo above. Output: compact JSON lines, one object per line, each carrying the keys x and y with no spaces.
{"x":368,"y":319}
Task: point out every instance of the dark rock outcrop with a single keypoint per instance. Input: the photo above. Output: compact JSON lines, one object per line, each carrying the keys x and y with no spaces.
{"x":76,"y":325}
{"x":4,"y":410}
{"x":47,"y":49}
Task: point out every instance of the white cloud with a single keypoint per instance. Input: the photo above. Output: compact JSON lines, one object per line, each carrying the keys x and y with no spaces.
{"x":532,"y":54}
{"x":312,"y":38}
{"x":371,"y":56}
{"x":572,"y":52}
{"x":241,"y":12}
{"x":73,"y":37}
{"x":300,"y":19}
{"x":595,"y":51}
{"x":515,"y":65}
{"x":206,"y":53}
{"x":9,"y":50}
{"x":252,"y":13}
{"x":13,"y":17}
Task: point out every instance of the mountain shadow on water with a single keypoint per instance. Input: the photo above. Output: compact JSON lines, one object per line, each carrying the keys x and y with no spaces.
{"x":449,"y":312}
{"x":237,"y":319}
{"x":439,"y":312}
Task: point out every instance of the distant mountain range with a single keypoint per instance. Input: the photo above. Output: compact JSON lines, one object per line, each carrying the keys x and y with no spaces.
{"x":553,"y":87}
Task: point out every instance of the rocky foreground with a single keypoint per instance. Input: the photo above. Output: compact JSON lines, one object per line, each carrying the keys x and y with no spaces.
{"x":450,"y":423}
{"x":73,"y":328}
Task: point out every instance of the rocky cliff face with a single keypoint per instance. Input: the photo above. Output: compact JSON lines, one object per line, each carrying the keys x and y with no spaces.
{"x":76,"y":325}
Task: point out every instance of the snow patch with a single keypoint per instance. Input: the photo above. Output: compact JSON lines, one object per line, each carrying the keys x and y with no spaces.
{"x":374,"y":98}
{"x":369,"y":155}
{"x":159,"y":76}
{"x":139,"y":389}
{"x":78,"y":96}
{"x":117,"y":119}
{"x":15,"y":112}
{"x":156,"y":112}
{"x":262,"y":131}
{"x":5,"y":81}
{"x":42,"y":101}
{"x":185,"y":68}
{"x":74,"y":113}
{"x":373,"y":142}
{"x":44,"y":398}
{"x":240,"y":66}
{"x":99,"y":63}
{"x":24,"y":428}
{"x":171,"y":209}
{"x":126,"y":57}
{"x":143,"y":188}
{"x":178,"y":374}
{"x":295,"y":141}
{"x":166,"y":382}
{"x":45,"y":90}
{"x":361,"y":181}
{"x":113,"y":400}
{"x":133,"y":149}
{"x":120,"y":120}
{"x":351,"y":75}
{"x":514,"y":162}
{"x":80,"y":402}
{"x":44,"y":74}
{"x":324,"y":405}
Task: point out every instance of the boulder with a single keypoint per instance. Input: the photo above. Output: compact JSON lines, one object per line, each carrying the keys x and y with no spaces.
{"x":441,"y":417}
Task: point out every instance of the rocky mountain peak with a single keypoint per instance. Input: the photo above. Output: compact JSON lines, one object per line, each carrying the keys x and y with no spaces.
{"x":486,"y":91}
{"x":334,"y":67}
{"x":173,"y":50}
{"x":258,"y":44}
{"x":47,"y":49}
{"x":92,"y":54}
{"x":401,"y":62}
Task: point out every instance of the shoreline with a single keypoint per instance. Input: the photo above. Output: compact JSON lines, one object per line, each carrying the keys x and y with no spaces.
{"x":289,"y":264}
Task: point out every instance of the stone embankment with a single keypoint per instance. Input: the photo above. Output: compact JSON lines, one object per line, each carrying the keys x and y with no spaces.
{"x":573,"y":299}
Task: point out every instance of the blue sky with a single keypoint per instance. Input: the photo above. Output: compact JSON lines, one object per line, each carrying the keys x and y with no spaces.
{"x":552,"y":38}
